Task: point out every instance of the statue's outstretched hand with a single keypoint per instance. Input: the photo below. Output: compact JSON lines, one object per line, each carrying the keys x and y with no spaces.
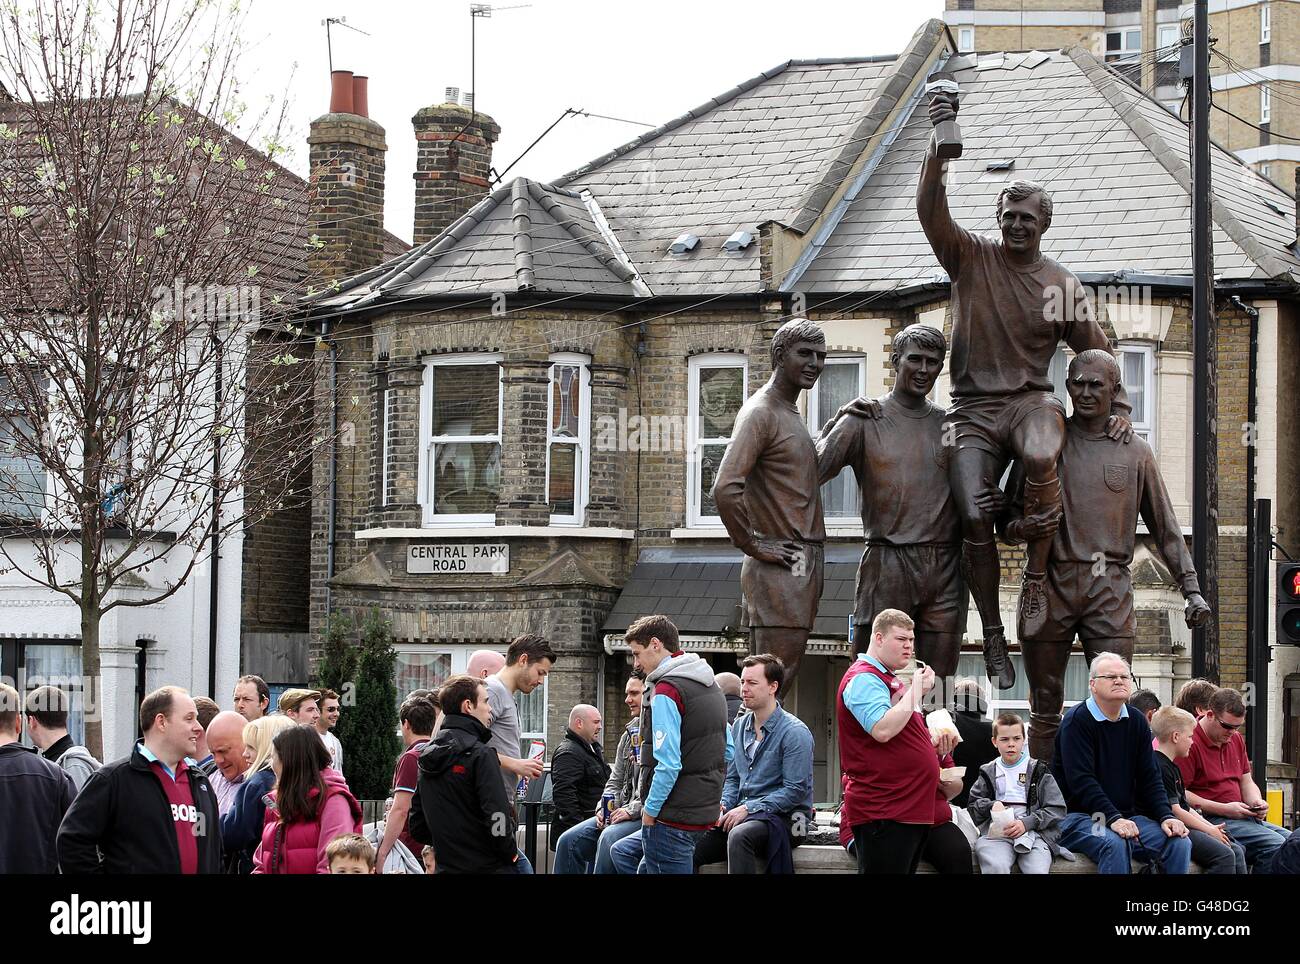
{"x":1120,"y":428}
{"x":1041,"y":526}
{"x":990,"y":499}
{"x":863,"y":407}
{"x":1197,"y":610}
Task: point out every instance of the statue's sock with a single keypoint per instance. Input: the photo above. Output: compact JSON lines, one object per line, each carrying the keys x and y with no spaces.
{"x":1041,"y":497}
{"x":983,"y":576}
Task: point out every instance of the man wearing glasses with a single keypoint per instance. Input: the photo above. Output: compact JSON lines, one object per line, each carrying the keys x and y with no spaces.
{"x":1218,"y":778}
{"x":1108,"y":773}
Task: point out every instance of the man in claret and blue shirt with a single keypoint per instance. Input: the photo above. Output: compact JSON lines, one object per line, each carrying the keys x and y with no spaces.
{"x":683,"y":758}
{"x":888,"y":761}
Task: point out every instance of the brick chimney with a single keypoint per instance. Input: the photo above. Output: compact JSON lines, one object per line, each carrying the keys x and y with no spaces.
{"x":347,"y":183}
{"x":453,"y":154}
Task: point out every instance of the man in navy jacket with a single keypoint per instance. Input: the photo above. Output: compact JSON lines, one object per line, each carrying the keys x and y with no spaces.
{"x":1111,"y":780}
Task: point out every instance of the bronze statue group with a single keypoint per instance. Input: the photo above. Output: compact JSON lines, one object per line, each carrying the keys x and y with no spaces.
{"x":932,"y":512}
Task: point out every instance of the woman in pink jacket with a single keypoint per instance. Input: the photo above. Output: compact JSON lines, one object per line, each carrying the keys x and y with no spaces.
{"x":310,"y":806}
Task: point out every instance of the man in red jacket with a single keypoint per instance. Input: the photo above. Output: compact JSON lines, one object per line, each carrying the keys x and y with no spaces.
{"x":889,"y":765}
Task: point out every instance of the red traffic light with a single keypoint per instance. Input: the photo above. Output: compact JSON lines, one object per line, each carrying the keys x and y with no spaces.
{"x":1288,"y":596}
{"x":1288,"y":583}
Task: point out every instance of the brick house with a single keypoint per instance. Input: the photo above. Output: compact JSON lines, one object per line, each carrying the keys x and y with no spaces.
{"x":537,"y":395}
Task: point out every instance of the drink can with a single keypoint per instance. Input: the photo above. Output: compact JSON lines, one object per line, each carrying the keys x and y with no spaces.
{"x":606,"y":802}
{"x":536,"y":750}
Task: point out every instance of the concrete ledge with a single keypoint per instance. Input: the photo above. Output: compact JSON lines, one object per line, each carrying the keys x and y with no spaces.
{"x":833,"y":859}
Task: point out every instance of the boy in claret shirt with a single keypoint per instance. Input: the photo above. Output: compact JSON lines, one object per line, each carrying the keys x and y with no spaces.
{"x":1026,"y":787}
{"x":350,"y":853}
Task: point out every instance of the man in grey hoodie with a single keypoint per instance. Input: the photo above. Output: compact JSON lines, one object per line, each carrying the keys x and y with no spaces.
{"x":684,"y":749}
{"x":46,"y":710}
{"x":589,"y":843}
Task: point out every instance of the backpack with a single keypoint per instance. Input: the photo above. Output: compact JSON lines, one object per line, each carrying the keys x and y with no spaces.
{"x":78,"y":758}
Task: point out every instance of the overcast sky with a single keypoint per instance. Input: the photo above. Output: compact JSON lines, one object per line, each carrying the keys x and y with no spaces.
{"x":641,"y":61}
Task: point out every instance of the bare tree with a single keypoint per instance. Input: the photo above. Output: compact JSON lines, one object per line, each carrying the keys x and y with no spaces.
{"x":152,"y":397}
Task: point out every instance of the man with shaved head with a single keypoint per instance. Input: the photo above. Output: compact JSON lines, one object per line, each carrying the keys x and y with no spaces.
{"x":485,"y":663}
{"x":729,"y":683}
{"x":578,"y":771}
{"x":226,"y":744}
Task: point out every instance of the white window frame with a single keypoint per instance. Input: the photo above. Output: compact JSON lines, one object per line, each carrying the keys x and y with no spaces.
{"x":693,"y":442}
{"x":1263,"y":169}
{"x":386,"y":455}
{"x":841,"y":358}
{"x":1147,"y":427}
{"x":460,"y":655}
{"x":428,"y":442}
{"x":965,"y":40}
{"x":1265,"y":104}
{"x":1168,"y":34}
{"x":7,"y":414}
{"x":526,"y":735}
{"x":582,"y":464}
{"x":1125,"y":52}
{"x":1265,"y":23}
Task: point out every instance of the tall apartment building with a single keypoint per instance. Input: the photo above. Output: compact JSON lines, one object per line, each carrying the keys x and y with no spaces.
{"x":1255,"y":63}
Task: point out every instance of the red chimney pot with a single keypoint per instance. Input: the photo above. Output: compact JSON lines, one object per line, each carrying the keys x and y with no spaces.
{"x":361,"y":95}
{"x":341,"y":84}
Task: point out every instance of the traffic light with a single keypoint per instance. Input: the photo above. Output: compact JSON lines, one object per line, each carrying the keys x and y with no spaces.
{"x":1288,"y":603}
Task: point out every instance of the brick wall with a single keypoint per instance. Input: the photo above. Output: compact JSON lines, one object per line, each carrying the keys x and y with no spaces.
{"x":276,"y":550}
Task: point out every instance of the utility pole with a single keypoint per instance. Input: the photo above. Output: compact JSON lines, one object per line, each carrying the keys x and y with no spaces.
{"x":1259,"y":547}
{"x":1205,"y":394}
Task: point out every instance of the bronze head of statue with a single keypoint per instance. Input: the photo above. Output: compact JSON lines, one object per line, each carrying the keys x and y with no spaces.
{"x":917,"y":356}
{"x":1094,"y":379}
{"x":798,"y":355}
{"x":1024,"y":214}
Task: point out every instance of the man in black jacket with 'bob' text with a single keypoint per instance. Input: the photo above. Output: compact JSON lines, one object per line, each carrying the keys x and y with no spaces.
{"x":152,"y":812}
{"x":460,"y":804}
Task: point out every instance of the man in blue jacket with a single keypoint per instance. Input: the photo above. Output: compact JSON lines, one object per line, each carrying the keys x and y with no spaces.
{"x":767,"y":796}
{"x":1109,"y":776}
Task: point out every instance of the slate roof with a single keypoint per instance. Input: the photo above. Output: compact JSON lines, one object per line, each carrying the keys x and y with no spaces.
{"x":771,"y":149}
{"x":701,"y":597}
{"x":1114,"y":160}
{"x":524,"y":236}
{"x":277,"y":245}
{"x":776,"y":148}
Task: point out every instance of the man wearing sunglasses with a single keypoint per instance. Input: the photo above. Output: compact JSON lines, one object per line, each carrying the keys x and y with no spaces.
{"x":1217,"y":775}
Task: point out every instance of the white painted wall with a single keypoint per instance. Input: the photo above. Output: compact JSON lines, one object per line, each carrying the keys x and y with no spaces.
{"x":175,"y":631}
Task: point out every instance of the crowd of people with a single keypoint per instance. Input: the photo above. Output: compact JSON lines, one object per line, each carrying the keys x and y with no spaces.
{"x":709,"y":769}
